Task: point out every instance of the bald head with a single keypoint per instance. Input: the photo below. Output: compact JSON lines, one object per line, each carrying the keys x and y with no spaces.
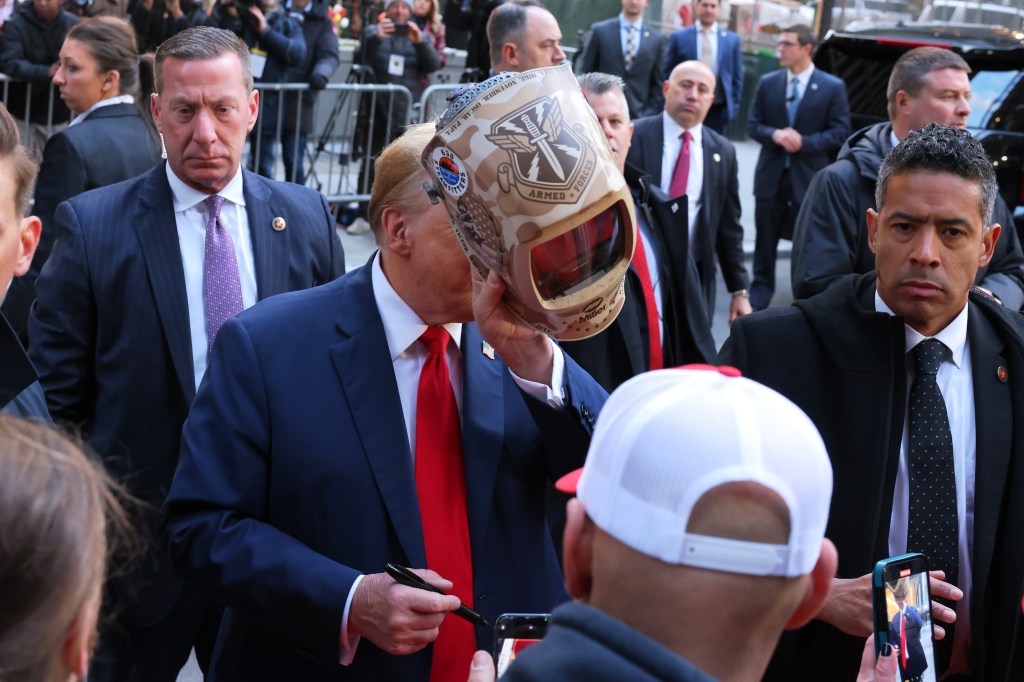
{"x":523,"y":36}
{"x":689,"y":92}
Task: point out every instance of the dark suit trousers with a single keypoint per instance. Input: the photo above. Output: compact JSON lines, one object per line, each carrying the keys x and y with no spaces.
{"x":128,"y":653}
{"x":774,"y":218}
{"x":717,"y":118}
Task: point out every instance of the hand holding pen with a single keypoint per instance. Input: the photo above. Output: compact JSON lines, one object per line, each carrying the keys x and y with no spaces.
{"x":409,"y":579}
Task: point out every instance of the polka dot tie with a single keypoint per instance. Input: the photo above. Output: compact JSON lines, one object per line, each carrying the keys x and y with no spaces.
{"x":933,"y":528}
{"x":222,"y":288}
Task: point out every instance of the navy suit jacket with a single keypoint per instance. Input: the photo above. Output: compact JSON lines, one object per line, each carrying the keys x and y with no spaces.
{"x":296,"y":477}
{"x":822,"y":119}
{"x":682,"y":46}
{"x":719,"y":232}
{"x":110,"y":328}
{"x":603,"y":53}
{"x":112,"y":144}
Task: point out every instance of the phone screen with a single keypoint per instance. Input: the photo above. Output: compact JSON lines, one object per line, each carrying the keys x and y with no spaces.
{"x":515,"y":632}
{"x":903,"y":615}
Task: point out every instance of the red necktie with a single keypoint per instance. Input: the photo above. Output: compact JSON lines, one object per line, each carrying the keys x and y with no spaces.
{"x":903,"y":638}
{"x":653,"y":327}
{"x":441,"y":488}
{"x":682,"y":171}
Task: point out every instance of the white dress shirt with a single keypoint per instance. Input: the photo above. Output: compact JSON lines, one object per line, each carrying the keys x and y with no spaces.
{"x":695,"y":179}
{"x":120,"y":99}
{"x":803,"y":78}
{"x":190,"y":218}
{"x":403,"y":328}
{"x":956,"y":382}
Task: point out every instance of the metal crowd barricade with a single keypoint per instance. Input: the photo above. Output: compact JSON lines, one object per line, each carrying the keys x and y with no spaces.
{"x":346,"y":119}
{"x":23,"y":114}
{"x":434,"y":100}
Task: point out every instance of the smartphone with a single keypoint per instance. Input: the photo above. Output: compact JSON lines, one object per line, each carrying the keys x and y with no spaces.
{"x":902,"y":604}
{"x":513,"y":632}
{"x":402,"y":29}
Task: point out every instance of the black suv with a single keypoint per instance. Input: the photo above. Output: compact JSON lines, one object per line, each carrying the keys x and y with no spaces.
{"x":864,"y":59}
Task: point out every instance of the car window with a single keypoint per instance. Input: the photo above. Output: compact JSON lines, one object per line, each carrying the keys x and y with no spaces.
{"x":997,"y":100}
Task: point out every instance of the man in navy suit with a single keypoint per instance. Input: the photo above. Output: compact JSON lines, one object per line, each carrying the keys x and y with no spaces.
{"x":711,"y":182}
{"x":720,"y":50}
{"x":801,"y":117}
{"x":301,"y":461}
{"x":125,"y":314}
{"x":624,"y":47}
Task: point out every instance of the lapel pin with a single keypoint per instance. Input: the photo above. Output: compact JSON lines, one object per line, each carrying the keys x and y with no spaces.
{"x":487,"y":350}
{"x":1002,"y":374}
{"x":675,"y":206}
{"x":647,"y":34}
{"x":717,"y":157}
{"x":279,"y":223}
{"x":814,"y":86}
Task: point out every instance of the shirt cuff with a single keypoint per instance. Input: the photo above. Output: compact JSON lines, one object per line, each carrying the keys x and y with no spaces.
{"x":545,"y":393}
{"x":348,"y":642}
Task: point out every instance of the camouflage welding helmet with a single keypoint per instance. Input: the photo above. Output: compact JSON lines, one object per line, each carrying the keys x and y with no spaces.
{"x":534,"y":192}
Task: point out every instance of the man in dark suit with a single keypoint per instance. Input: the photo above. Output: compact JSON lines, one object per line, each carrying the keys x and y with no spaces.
{"x":905,"y":633}
{"x":801,"y":117}
{"x":20,"y":393}
{"x":667,"y":278}
{"x":913,"y":379}
{"x":682,"y":156}
{"x":720,"y":50}
{"x":141,"y":276}
{"x":624,"y":47}
{"x":306,"y":454}
{"x":927,"y":85}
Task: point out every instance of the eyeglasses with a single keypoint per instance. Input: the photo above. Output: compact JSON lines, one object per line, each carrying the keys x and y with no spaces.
{"x":787,"y":43}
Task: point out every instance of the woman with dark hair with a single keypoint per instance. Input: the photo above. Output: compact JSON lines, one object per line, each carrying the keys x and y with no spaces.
{"x":58,"y":517}
{"x":111,"y":137}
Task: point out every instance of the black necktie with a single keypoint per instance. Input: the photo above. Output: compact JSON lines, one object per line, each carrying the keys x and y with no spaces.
{"x":933,"y":527}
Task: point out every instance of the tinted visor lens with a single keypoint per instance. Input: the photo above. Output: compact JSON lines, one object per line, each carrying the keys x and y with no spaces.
{"x":571,"y":261}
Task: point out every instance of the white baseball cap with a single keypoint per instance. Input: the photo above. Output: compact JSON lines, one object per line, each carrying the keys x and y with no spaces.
{"x":665,"y":438}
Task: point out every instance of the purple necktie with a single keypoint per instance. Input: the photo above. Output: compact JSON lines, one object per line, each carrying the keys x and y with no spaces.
{"x":222,"y":288}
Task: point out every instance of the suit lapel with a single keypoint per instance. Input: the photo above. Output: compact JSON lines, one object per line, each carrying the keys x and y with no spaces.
{"x":703,"y":245}
{"x":157,"y":232}
{"x":614,"y":45}
{"x":654,"y":148}
{"x":363,"y":363}
{"x":269,"y":246}
{"x":993,"y":409}
{"x":483,"y":422}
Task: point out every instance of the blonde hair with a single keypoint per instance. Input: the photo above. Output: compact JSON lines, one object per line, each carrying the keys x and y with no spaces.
{"x":57,"y":505}
{"x":398,"y":174}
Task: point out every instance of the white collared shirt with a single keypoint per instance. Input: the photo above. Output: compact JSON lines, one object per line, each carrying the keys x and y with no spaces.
{"x":403,"y":328}
{"x":956,"y":382}
{"x":120,"y":99}
{"x":190,"y":218}
{"x":803,"y":78}
{"x":711,"y":35}
{"x":673,"y":144}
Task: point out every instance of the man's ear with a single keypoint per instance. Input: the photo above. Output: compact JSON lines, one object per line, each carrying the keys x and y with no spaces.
{"x":154,"y":108}
{"x":394,"y":231}
{"x":818,"y":586}
{"x":988,"y":240}
{"x":28,"y":236}
{"x":578,"y":550}
{"x":872,"y":220}
{"x":510,"y":54}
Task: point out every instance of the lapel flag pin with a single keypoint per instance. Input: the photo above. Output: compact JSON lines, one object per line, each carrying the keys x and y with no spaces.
{"x":487,"y":350}
{"x":279,"y":223}
{"x":1002,"y":374}
{"x":717,"y":157}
